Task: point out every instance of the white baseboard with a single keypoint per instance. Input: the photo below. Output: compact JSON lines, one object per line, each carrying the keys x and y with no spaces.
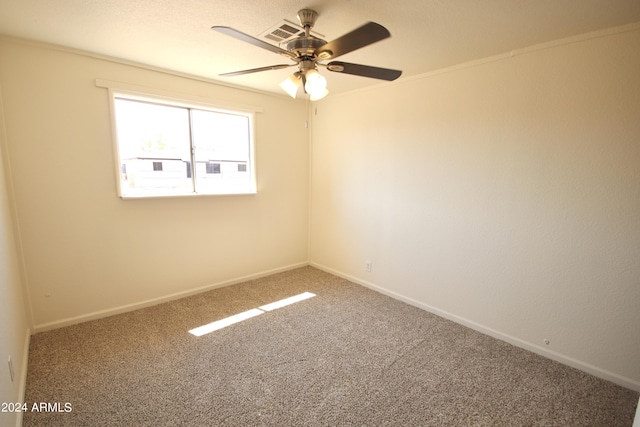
{"x":566,"y":360}
{"x":155,"y":301}
{"x":23,"y":374}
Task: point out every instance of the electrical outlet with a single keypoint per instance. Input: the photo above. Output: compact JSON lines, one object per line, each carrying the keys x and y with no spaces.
{"x":367,"y":266}
{"x":11,"y":369}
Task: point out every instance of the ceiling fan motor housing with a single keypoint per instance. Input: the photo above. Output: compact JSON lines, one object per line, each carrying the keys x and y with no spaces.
{"x":305,"y":46}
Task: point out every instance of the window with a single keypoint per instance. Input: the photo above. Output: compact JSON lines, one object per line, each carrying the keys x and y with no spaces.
{"x":166,"y":148}
{"x":213,"y":167}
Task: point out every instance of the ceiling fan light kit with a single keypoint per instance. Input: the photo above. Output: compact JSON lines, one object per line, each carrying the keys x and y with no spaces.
{"x":291,"y":85}
{"x":316,"y":85}
{"x":308,"y":51}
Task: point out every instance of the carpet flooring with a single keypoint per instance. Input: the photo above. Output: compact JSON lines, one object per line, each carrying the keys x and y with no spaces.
{"x":348,"y":356}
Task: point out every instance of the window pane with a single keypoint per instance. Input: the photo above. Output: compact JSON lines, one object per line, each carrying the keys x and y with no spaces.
{"x":154,"y":148}
{"x":169,"y":149}
{"x":221,"y":140}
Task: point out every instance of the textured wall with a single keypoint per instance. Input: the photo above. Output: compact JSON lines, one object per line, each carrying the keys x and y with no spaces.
{"x":505,"y":194}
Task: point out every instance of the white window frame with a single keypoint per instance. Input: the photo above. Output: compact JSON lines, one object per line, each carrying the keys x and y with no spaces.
{"x":144,"y":94}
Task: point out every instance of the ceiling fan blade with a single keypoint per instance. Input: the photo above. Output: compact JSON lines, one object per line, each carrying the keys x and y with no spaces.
{"x":360,"y":37}
{"x":364,"y":70}
{"x":257,"y":70}
{"x":254,"y":41}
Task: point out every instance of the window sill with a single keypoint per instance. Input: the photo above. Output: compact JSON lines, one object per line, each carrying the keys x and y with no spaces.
{"x":174,"y":196}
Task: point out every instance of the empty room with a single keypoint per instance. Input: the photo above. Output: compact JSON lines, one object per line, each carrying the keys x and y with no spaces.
{"x":296,"y":213}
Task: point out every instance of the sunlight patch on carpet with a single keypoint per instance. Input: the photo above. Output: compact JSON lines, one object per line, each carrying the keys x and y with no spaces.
{"x":287,"y":301}
{"x":228,"y":321}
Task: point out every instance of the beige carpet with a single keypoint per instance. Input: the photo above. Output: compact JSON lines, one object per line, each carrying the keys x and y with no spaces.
{"x":348,"y":356}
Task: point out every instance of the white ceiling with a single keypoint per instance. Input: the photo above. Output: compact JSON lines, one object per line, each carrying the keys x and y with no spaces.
{"x":425,"y":34}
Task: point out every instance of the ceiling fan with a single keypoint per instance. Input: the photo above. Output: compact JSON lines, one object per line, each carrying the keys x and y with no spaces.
{"x":308,"y":52}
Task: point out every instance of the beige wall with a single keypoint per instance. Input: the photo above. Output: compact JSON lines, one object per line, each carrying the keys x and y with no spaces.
{"x":86,"y":251}
{"x":504,"y":195}
{"x":14,"y":318}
